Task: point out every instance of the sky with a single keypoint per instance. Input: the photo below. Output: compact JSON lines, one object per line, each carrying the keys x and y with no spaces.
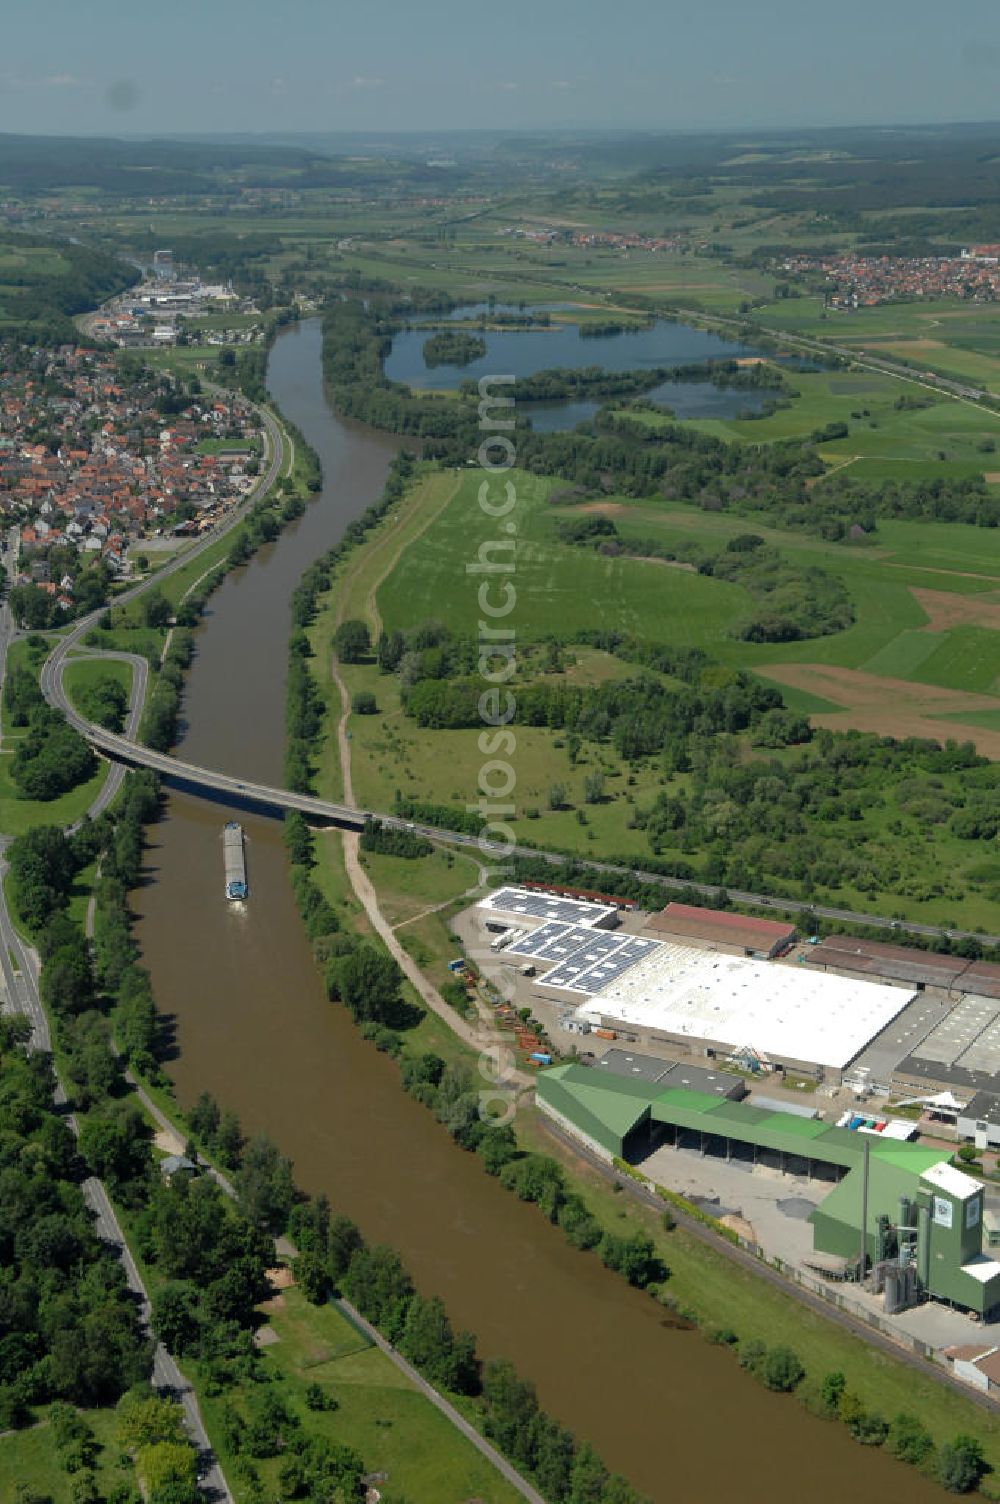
{"x":140,"y":67}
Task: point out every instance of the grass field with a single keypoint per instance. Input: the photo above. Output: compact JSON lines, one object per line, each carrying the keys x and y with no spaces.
{"x":80,"y":674}
{"x":914,"y":663}
{"x":884,"y":442}
{"x":28,"y":1461}
{"x":25,"y":270}
{"x":18,"y":814}
{"x":394,"y":1428}
{"x":561,"y":589}
{"x":946,"y":336}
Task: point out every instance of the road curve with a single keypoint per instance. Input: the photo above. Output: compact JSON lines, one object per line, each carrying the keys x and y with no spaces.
{"x":128,"y":750}
{"x":212,"y":783}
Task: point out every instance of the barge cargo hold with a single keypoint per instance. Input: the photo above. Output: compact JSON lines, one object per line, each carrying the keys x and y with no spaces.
{"x":237,"y":887}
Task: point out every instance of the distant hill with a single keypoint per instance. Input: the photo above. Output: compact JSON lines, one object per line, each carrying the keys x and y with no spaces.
{"x":45,"y":164}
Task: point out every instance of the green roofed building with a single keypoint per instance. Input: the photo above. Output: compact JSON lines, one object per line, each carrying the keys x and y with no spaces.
{"x":916,"y":1198}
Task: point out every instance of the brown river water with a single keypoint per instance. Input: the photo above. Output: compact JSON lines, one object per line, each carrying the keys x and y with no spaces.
{"x":253,"y":1026}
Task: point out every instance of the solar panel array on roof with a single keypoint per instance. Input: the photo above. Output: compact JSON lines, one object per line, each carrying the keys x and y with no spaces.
{"x":535,"y":905}
{"x":551,"y":942}
{"x":600,"y":958}
{"x":607,"y":969}
{"x":584,"y":960}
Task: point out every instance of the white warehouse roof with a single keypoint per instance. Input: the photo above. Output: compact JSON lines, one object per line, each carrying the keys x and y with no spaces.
{"x":784,"y":1012}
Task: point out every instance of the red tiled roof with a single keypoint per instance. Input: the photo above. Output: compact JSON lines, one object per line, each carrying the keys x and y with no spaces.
{"x":720,"y":924}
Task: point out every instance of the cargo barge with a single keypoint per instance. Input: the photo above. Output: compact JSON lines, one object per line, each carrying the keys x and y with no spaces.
{"x":234,"y":857}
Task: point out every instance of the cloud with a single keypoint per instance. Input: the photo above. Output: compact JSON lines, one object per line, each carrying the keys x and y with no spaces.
{"x":508,"y":87}
{"x":363,"y":82}
{"x":66,"y":81}
{"x":561,"y":83}
{"x":278,"y":86}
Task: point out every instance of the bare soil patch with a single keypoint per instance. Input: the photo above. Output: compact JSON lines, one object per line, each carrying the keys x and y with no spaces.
{"x":889,"y":707}
{"x":945,"y":610}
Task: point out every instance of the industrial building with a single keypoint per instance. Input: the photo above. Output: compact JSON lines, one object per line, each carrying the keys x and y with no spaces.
{"x":979,"y":1121}
{"x":519,"y":905}
{"x":962,"y":1051}
{"x":704,"y":983}
{"x":919,"y":1219}
{"x":719,"y":929}
{"x":725,"y":1004}
{"x":846,"y":955}
{"x":686,"y":996}
{"x":664,"y":1073}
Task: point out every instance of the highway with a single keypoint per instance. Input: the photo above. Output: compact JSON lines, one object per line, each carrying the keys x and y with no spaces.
{"x":208,"y":781}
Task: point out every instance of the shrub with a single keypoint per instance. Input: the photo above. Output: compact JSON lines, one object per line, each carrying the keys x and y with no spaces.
{"x":908,"y":1439}
{"x":866,"y":1426}
{"x":751,"y":1355}
{"x":781,"y":1370}
{"x":831,"y":1392}
{"x":961,"y":1464}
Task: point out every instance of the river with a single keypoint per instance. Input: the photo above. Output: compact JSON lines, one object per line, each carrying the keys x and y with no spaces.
{"x":252,"y":1025}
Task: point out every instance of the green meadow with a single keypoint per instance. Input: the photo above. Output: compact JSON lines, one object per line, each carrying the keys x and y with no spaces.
{"x":414,"y":567}
{"x":562,"y":589}
{"x":376,"y":1410}
{"x":943,"y":438}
